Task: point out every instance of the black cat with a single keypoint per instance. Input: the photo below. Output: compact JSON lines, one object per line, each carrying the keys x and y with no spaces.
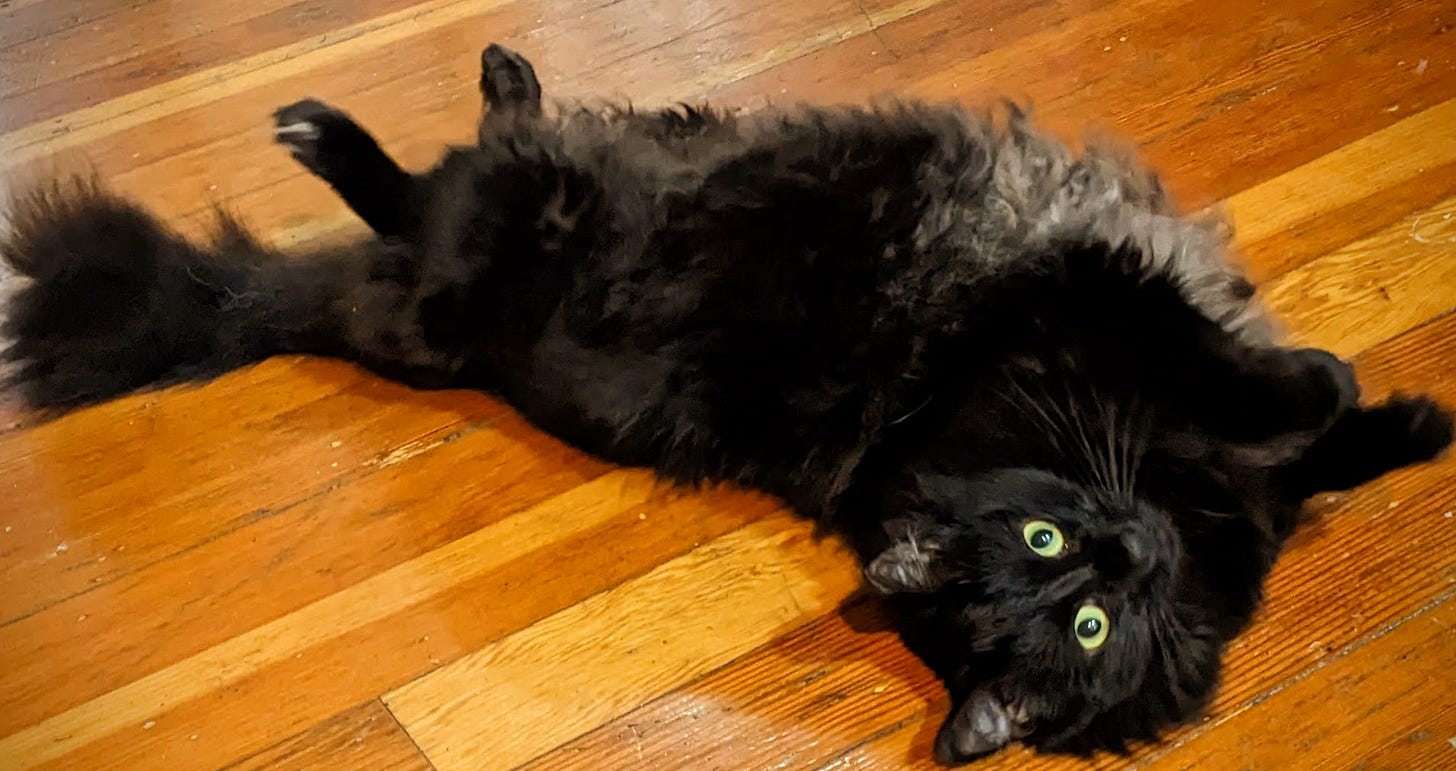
{"x":1041,"y":404}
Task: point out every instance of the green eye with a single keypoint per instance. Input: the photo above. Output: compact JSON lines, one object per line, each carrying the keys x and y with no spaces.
{"x":1044,"y":538}
{"x":1091,"y":627}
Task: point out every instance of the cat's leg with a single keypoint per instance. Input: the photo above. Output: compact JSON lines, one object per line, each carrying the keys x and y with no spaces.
{"x":331,"y":145}
{"x":1261,"y":405}
{"x":508,"y":82}
{"x":1268,"y":403}
{"x":1366,"y":443}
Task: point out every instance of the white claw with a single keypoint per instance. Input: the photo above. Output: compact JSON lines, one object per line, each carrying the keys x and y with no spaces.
{"x":301,"y":130}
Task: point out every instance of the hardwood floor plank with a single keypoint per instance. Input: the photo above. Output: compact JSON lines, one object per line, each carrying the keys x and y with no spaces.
{"x":1184,"y":81}
{"x":1350,"y":192}
{"x":89,"y":124}
{"x":387,"y":630}
{"x":408,"y":502}
{"x":603,"y":49}
{"x":1375,"y":288}
{"x":901,"y":52}
{"x":793,"y":704}
{"x":151,"y":43}
{"x":1410,"y":362}
{"x":1190,"y":103}
{"x":1349,"y":574}
{"x":574,"y":671}
{"x":366,"y":737}
{"x":1383,"y":703}
{"x":25,"y":20}
{"x":99,"y":506}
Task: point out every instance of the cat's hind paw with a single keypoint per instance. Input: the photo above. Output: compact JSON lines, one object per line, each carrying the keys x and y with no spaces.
{"x":507,"y":80}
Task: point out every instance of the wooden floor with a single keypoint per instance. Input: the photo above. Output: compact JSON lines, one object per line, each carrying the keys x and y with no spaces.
{"x":301,"y":566}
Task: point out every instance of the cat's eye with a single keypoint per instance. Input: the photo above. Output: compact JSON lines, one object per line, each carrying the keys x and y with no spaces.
{"x":1044,"y":538}
{"x":1090,"y":627}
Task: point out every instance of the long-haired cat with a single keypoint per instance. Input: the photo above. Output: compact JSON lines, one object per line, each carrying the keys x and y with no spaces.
{"x":1042,"y":405}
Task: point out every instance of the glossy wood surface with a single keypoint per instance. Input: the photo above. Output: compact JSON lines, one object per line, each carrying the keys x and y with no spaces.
{"x":300,"y":566}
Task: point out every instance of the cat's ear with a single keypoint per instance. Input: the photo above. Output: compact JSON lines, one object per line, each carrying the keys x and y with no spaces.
{"x":912,"y":563}
{"x":905,"y":567}
{"x":979,"y":726}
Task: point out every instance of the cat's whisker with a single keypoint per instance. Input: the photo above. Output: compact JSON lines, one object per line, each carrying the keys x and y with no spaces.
{"x":1100,"y":470}
{"x":1110,"y":432}
{"x":1096,"y":455}
{"x":1057,"y":428}
{"x":1119,"y":427}
{"x":1137,"y":444}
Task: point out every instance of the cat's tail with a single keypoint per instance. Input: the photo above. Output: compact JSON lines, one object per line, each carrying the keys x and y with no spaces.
{"x":108,"y":300}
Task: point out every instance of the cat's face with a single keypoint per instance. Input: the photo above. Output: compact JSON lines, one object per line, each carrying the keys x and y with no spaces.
{"x":1051,"y":609}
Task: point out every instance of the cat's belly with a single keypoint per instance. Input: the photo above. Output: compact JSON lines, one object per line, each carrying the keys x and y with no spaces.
{"x":606,"y":399}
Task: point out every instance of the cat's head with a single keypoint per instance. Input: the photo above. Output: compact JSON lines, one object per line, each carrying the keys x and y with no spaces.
{"x":1054,"y":611}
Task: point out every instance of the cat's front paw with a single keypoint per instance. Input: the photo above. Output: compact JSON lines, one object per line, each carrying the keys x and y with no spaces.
{"x":1415,"y":429}
{"x":308,"y":129}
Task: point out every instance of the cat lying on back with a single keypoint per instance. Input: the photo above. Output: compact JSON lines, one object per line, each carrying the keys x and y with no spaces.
{"x":1042,"y":406}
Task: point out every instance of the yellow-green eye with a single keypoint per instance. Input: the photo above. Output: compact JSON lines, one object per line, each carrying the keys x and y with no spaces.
{"x":1090,"y":627}
{"x":1044,"y":538}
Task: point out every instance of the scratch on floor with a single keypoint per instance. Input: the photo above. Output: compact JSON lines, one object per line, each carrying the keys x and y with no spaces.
{"x":636,"y":740}
{"x":1421,"y":239}
{"x":417,"y":447}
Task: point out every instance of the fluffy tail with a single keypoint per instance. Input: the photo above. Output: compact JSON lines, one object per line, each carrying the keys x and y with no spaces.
{"x":111,"y":301}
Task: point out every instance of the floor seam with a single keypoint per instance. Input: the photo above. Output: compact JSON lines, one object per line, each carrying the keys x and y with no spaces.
{"x":407,"y":735}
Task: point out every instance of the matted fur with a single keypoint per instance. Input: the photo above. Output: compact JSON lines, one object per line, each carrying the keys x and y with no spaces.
{"x":1016,"y":380}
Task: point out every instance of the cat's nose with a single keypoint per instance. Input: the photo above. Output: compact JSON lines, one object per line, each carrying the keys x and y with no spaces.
{"x":1139,"y":546}
{"x":1127,"y":553}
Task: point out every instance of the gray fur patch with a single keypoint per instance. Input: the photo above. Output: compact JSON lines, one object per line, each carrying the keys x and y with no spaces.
{"x":1013,"y":192}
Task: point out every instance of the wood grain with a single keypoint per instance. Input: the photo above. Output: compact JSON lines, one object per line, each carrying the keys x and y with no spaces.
{"x":1347,"y":194}
{"x":1183,"y":80}
{"x":166,"y":98}
{"x":543,"y":686}
{"x":151,"y":43}
{"x":795,"y":703}
{"x":126,"y":511}
{"x":366,"y":737}
{"x":386,"y":630}
{"x":241,"y":574}
{"x":1375,"y":288}
{"x":1385,"y":685}
{"x":271,"y":562}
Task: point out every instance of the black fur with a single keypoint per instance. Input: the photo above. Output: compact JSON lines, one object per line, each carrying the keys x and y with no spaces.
{"x":929,"y":329}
